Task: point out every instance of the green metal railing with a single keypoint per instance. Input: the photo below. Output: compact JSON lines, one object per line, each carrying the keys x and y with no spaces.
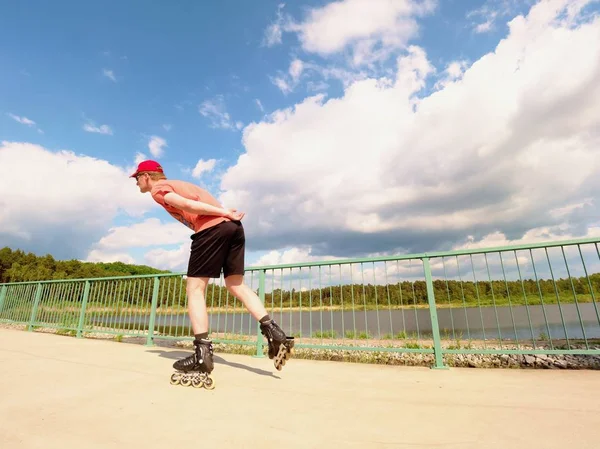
{"x":526,"y":299}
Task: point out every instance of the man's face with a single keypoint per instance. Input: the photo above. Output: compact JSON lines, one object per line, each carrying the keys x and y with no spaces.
{"x":142,"y":182}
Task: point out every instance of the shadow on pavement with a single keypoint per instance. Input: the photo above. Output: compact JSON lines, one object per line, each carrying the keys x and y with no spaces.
{"x":176,"y":355}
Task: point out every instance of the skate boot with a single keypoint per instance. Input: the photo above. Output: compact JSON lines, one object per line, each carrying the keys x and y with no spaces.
{"x":280,"y":346}
{"x":195,"y":369}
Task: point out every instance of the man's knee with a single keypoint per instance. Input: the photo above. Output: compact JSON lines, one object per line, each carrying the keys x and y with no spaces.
{"x":195,"y":285}
{"x":234,"y":283}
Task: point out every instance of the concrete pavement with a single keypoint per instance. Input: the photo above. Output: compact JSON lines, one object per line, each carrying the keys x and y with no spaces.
{"x":60,"y":392}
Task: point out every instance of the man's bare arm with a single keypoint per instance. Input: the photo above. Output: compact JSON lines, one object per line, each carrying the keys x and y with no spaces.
{"x":200,"y":208}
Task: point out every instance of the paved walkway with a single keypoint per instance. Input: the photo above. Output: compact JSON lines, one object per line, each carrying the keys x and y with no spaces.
{"x":60,"y":392}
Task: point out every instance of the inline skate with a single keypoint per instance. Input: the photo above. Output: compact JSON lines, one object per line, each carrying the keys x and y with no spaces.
{"x":281,"y":347}
{"x":195,"y":369}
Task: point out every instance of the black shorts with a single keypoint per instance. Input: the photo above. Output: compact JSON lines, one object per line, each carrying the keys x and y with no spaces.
{"x":218,"y":247}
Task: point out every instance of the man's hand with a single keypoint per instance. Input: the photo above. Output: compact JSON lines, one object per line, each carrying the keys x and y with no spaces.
{"x":233,"y":214}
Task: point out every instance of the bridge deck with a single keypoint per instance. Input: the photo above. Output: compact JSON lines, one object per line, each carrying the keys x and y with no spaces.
{"x":62,"y":392}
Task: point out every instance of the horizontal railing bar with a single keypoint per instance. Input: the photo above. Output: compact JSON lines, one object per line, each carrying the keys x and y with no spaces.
{"x":501,"y":249}
{"x":523,"y":351}
{"x":98,"y":279}
{"x":364,"y":348}
{"x":430,"y":255}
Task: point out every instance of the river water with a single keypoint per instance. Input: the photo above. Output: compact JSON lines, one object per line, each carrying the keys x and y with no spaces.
{"x":516,"y":323}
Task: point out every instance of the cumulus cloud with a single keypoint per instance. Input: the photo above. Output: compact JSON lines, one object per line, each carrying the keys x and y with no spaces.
{"x":169,"y":259}
{"x":500,"y":147}
{"x":107,"y":257}
{"x":454,"y":71}
{"x":156,"y":146}
{"x":153,"y":236}
{"x":203,"y":167}
{"x":372,"y":30}
{"x":60,"y":202}
{"x":150,"y":232}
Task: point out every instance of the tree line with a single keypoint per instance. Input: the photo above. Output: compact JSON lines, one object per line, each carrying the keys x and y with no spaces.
{"x":18,"y":266}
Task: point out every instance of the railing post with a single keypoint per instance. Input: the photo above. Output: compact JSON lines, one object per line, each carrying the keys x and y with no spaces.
{"x":86,"y":294}
{"x":2,"y":296}
{"x":150,"y":337}
{"x":261,"y":295}
{"x":435,"y":328}
{"x":38,"y":296}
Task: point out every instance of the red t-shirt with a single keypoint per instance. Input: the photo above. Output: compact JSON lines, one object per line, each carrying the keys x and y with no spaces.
{"x":190,"y":191}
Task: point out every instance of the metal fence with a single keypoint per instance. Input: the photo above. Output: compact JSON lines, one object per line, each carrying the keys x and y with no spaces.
{"x":527,"y":299}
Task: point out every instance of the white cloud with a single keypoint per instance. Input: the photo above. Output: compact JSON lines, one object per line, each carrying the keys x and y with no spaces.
{"x":109,"y":74}
{"x":165,"y":259}
{"x":484,"y":27}
{"x":295,"y":70}
{"x":139,"y":157}
{"x":282,"y":84}
{"x":22,"y":120}
{"x":289,"y":256}
{"x":216,"y":112}
{"x":64,"y":202}
{"x":537,"y":235}
{"x":156,"y":146}
{"x":259,"y":104}
{"x":167,"y":127}
{"x":150,"y":232}
{"x":484,"y":19}
{"x":25,"y":121}
{"x":453,"y":72}
{"x":102,"y":129}
{"x":203,"y":167}
{"x":274,"y":30}
{"x":288,"y":82}
{"x":372,"y":29}
{"x":107,"y":257}
{"x":380,"y":169}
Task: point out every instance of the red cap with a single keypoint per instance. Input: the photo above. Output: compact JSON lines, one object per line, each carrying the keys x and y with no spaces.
{"x":147,"y":166}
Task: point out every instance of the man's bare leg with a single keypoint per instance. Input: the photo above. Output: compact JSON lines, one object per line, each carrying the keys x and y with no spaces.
{"x":235,"y":285}
{"x":280,"y":346}
{"x":195,"y":369}
{"x":196,"y":291}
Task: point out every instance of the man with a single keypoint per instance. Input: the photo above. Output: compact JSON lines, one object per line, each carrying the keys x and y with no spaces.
{"x":218,"y":243}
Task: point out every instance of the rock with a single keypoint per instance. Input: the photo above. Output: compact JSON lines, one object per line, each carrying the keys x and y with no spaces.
{"x":561,"y":363}
{"x":529,"y":359}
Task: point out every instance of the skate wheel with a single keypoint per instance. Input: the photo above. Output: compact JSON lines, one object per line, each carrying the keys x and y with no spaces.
{"x":209,"y":384}
{"x":197,"y":382}
{"x":186,"y":381}
{"x":175,"y":379}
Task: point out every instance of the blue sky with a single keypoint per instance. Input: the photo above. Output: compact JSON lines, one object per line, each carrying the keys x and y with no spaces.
{"x":104,"y":80}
